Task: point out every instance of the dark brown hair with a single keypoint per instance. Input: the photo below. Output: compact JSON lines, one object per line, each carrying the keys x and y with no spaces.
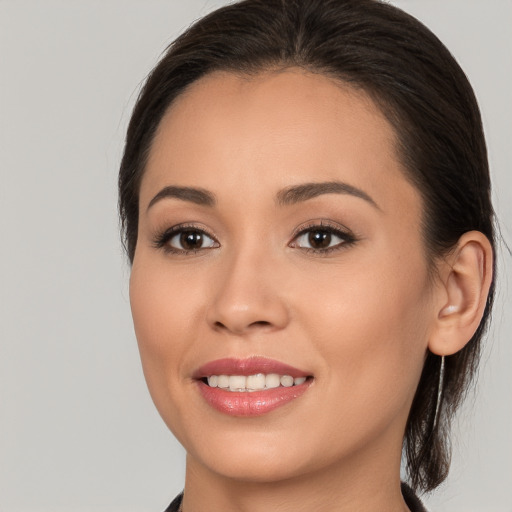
{"x":420,"y":89}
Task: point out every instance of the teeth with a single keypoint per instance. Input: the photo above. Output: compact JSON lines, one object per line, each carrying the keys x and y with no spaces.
{"x":237,"y":383}
{"x":272,"y":380}
{"x":222,"y":381}
{"x":286,"y":381}
{"x":257,"y":382}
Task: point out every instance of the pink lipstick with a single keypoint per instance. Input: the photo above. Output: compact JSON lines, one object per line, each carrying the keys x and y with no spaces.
{"x":250,"y":387}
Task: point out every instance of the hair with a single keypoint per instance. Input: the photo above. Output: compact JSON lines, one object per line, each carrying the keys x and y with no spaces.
{"x":419,"y":88}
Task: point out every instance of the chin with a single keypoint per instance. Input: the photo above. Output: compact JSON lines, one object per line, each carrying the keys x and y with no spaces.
{"x":255,"y":465}
{"x":249,"y":456}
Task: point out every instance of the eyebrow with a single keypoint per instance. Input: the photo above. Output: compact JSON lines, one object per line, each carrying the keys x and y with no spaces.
{"x":286,"y":197}
{"x":194,"y":195}
{"x":303,"y":192}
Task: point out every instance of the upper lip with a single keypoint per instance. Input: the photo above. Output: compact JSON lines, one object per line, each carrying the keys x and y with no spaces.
{"x":248,"y":366}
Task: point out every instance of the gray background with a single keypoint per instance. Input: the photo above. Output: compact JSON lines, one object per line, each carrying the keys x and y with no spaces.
{"x":78,"y":431}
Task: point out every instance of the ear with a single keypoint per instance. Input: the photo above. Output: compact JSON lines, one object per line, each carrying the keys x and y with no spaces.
{"x":465,"y":278}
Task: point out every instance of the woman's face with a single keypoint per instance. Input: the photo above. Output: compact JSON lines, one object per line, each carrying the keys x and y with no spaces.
{"x":276,"y":228}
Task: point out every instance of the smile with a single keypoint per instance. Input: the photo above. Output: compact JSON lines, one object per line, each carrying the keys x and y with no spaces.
{"x":250,"y":387}
{"x":257,"y":382}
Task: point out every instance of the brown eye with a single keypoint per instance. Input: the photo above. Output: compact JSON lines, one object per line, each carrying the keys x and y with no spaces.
{"x":191,"y":240}
{"x":322,"y":239}
{"x":319,"y":239}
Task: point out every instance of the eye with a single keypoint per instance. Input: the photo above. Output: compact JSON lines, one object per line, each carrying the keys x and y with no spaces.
{"x":182,"y":239}
{"x":322,"y":239}
{"x":318,"y":239}
{"x":191,"y":240}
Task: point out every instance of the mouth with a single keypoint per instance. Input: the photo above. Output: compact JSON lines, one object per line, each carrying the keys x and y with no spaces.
{"x":252,"y":383}
{"x":250,"y":387}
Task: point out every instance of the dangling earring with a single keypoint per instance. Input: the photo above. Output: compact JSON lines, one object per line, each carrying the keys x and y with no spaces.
{"x":439,"y":392}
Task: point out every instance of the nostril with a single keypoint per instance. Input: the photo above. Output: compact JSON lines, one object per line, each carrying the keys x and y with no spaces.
{"x":260,"y":323}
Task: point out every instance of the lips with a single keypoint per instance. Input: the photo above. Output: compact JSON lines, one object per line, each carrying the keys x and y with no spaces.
{"x":250,"y":387}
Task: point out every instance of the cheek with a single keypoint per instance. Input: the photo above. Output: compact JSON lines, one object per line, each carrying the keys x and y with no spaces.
{"x":164,"y":305}
{"x":164,"y":316}
{"x":372,"y":328}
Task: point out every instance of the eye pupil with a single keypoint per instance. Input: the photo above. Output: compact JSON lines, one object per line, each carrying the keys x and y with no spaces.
{"x":190,"y":240}
{"x":319,"y":239}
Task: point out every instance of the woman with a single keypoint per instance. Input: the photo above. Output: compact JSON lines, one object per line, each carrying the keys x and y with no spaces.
{"x":305,"y":201}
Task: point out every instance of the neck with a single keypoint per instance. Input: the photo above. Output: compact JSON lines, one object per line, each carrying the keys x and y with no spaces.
{"x":369,"y":483}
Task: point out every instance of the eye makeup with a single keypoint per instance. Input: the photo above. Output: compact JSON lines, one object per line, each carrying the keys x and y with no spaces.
{"x":322,"y":234}
{"x":320,"y":237}
{"x":187,"y":235}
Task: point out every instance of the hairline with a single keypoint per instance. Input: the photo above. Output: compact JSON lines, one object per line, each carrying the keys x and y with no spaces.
{"x":363,"y":91}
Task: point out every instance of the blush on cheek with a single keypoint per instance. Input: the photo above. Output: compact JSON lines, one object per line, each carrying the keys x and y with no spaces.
{"x":378,"y":349}
{"x":155,"y":348}
{"x":149,"y":322}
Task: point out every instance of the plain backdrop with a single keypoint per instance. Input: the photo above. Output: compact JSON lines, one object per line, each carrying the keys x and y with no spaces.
{"x":78,"y":430}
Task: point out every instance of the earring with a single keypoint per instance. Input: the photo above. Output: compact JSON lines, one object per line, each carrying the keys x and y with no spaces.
{"x":448,"y":310}
{"x":439,"y":392}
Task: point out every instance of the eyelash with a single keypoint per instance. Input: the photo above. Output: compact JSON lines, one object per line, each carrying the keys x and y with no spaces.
{"x":162,"y":239}
{"x":326,"y":227}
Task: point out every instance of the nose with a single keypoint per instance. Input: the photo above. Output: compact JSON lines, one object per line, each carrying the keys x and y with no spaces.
{"x":249,"y":297}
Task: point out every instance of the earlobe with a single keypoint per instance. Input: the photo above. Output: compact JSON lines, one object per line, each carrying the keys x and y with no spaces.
{"x":466,"y":277}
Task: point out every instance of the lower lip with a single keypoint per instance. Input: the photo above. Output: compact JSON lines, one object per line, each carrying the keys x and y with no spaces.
{"x":254,"y":403}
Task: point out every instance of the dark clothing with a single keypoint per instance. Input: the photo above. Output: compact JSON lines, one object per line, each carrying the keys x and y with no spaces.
{"x":412,"y":501}
{"x":175,"y":505}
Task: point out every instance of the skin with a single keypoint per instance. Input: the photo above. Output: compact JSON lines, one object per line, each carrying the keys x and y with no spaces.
{"x":359,"y":318}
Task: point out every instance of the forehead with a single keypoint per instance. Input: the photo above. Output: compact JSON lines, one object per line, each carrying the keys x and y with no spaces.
{"x":273,"y":130}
